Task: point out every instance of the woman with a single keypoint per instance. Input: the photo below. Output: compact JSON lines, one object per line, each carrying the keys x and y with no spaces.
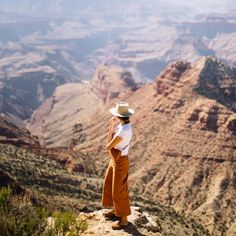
{"x":115,"y":189}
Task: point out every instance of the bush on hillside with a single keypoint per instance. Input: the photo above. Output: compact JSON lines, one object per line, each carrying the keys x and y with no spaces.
{"x":18,"y":216}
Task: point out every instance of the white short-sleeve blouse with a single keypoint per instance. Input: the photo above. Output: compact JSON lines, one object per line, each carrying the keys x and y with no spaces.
{"x":125,"y":132}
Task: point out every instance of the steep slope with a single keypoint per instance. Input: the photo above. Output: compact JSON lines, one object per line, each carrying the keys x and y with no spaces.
{"x":10,"y":133}
{"x":24,"y":165}
{"x":48,"y":177}
{"x":184,"y":132}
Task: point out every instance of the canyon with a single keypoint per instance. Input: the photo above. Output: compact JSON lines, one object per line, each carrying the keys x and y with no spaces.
{"x":62,"y":69}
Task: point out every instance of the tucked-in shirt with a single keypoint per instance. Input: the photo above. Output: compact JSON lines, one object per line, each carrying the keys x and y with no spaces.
{"x":125,"y":132}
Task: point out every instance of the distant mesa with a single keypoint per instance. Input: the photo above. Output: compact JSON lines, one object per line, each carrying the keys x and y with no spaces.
{"x":216,"y":80}
{"x":209,"y":26}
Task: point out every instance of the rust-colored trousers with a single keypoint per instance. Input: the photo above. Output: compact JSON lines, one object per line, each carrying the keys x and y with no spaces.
{"x":115,"y":188}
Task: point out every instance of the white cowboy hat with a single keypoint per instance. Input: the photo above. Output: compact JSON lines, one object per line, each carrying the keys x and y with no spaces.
{"x":122,"y":110}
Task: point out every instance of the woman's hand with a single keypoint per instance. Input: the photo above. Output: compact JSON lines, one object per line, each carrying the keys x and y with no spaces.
{"x":113,"y":120}
{"x":111,"y":128}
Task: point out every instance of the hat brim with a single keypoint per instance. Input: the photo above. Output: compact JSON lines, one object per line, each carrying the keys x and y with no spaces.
{"x":114,"y":112}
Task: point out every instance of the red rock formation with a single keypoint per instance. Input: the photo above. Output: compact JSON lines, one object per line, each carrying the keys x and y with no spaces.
{"x":109,"y":82}
{"x":174,"y":71}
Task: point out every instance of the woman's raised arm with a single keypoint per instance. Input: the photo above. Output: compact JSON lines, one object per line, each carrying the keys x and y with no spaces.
{"x":113,"y":142}
{"x":111,"y":128}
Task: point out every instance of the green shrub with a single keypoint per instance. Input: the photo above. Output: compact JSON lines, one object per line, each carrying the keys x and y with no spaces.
{"x":19,"y":217}
{"x":5,"y":194}
{"x":67,"y":222}
{"x":63,"y":221}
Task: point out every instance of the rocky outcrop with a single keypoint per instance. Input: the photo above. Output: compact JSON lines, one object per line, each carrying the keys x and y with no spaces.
{"x":142,"y":223}
{"x":139,"y":224}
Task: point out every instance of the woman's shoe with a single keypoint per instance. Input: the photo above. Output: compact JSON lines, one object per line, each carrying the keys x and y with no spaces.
{"x":109,"y":214}
{"x":120,"y":224}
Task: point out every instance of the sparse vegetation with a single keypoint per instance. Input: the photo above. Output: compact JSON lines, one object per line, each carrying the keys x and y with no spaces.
{"x":44,"y":175}
{"x":18,"y":216}
{"x":67,"y":222}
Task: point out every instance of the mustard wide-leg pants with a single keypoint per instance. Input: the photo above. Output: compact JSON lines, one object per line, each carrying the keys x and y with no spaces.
{"x":115,"y":188}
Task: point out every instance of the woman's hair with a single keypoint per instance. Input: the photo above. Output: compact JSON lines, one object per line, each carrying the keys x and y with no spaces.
{"x":125,"y":119}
